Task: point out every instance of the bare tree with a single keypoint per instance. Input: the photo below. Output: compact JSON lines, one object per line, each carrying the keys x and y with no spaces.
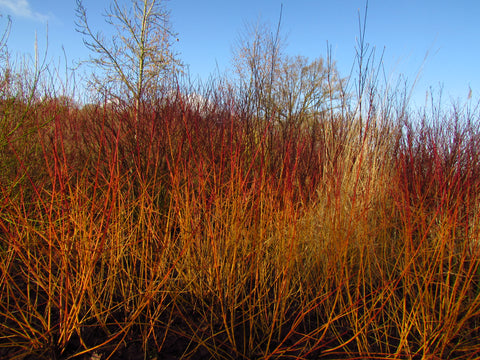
{"x":256,"y":63}
{"x":276,"y":84}
{"x":139,"y":54}
{"x":304,"y":87}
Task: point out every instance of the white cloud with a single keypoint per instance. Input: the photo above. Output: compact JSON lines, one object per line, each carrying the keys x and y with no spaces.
{"x":22,"y":8}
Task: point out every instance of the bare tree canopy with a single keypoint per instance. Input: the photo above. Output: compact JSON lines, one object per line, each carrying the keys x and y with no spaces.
{"x":139,"y":55}
{"x":275,"y":83}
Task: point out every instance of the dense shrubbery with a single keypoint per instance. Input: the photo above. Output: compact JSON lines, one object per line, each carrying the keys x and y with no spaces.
{"x":174,"y":228}
{"x":214,"y":234}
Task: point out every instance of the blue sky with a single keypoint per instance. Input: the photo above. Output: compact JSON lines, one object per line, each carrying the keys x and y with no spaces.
{"x":447,"y":31}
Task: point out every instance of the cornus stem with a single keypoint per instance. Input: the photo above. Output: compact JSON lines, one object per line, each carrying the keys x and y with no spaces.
{"x":245,"y":223}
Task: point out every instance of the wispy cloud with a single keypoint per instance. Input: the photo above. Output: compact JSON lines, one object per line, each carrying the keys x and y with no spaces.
{"x":22,"y":8}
